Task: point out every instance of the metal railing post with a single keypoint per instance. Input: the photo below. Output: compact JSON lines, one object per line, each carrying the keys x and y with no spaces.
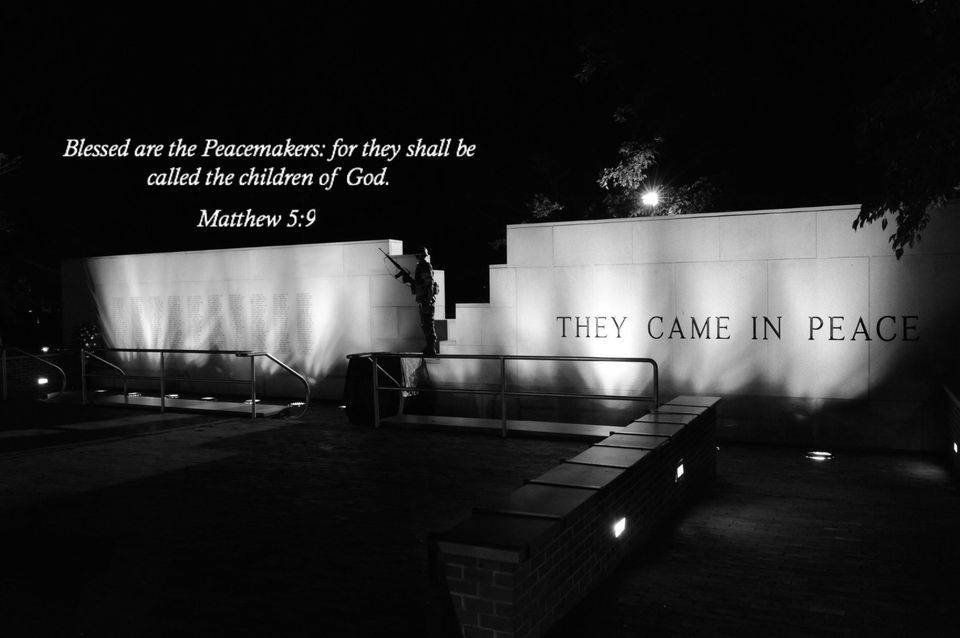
{"x":656,"y":385}
{"x":163,"y":394}
{"x":83,"y":376}
{"x":503,"y":397}
{"x":253,"y":387}
{"x":376,"y":392}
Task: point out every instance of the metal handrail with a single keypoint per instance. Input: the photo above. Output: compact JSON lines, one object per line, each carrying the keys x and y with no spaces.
{"x":87,"y":354}
{"x":503,"y":393}
{"x":3,"y":367}
{"x":163,"y":378}
{"x":303,"y":379}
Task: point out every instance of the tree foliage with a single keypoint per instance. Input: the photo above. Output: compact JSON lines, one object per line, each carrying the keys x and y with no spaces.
{"x":627,"y":182}
{"x":911,"y":133}
{"x":630,"y":173}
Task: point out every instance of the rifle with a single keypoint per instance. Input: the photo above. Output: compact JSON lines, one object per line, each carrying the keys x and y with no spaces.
{"x":401,"y":271}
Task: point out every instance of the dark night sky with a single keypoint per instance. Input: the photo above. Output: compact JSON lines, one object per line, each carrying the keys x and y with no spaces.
{"x":763,"y":97}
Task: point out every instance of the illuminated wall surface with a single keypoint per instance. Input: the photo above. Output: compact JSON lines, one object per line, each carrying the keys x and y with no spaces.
{"x":308,"y":305}
{"x":809,"y":330}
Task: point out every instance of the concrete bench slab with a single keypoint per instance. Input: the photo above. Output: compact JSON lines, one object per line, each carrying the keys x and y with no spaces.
{"x":610,"y":456}
{"x":652,"y":428}
{"x":497,"y":536}
{"x":639,"y":441}
{"x":542,"y":500}
{"x":591,"y":477}
{"x":689,"y":399}
{"x":667,"y":408}
{"x":654,"y":417}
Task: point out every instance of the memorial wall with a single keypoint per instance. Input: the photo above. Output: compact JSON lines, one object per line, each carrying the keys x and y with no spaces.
{"x":308,"y":305}
{"x":812,"y":333}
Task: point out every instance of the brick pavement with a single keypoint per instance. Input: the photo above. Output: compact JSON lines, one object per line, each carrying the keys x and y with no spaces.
{"x":318,"y":528}
{"x":864,"y":545}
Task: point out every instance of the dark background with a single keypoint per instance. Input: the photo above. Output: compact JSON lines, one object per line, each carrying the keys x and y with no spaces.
{"x":766,"y":99}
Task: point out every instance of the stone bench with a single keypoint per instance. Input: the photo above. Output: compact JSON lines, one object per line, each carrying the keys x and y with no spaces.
{"x":515,"y":568}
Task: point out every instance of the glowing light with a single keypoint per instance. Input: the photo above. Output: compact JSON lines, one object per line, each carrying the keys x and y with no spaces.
{"x":954,"y":447}
{"x":208,"y":398}
{"x":819,"y":455}
{"x":679,"y":472}
{"x":171,"y":396}
{"x":249,"y":401}
{"x":42,"y":381}
{"x":100,"y":391}
{"x":618,"y":527}
{"x":45,"y":349}
{"x":341,"y":407}
{"x":650,"y":198}
{"x":134,"y":394}
{"x":296,"y":404}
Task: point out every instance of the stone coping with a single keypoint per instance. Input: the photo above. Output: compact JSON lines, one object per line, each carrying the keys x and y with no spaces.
{"x":513,"y":528}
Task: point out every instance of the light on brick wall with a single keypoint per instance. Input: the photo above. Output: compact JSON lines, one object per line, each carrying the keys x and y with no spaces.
{"x":679,"y":472}
{"x":619,"y":527}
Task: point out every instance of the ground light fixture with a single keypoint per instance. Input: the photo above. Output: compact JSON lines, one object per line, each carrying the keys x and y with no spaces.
{"x":619,"y":527}
{"x":249,"y":401}
{"x":819,"y":455}
{"x":679,"y":471}
{"x":208,"y":398}
{"x":171,"y":396}
{"x":134,"y":394}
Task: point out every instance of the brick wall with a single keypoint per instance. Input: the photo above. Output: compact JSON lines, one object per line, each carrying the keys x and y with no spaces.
{"x":513,"y":570}
{"x":953,"y":428}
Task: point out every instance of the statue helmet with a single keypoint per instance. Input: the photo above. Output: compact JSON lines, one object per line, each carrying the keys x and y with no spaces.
{"x":421,"y":250}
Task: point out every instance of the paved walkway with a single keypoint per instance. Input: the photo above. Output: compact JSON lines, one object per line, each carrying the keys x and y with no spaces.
{"x":318,"y":528}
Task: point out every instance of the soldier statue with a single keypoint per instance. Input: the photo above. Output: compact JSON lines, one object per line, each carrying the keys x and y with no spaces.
{"x":425,"y":289}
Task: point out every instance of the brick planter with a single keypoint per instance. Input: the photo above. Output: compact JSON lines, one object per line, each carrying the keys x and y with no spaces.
{"x":515,"y":569}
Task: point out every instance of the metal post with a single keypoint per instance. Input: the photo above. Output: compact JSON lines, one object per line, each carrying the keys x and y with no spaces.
{"x":656,"y":385}
{"x":253,"y":387}
{"x":83,"y":376}
{"x":503,"y":397}
{"x":376,"y":393}
{"x":163,"y":393}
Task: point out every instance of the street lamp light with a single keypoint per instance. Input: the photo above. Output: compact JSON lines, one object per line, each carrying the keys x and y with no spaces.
{"x":650,"y":198}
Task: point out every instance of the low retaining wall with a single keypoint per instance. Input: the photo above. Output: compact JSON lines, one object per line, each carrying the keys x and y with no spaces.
{"x":515,"y":569}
